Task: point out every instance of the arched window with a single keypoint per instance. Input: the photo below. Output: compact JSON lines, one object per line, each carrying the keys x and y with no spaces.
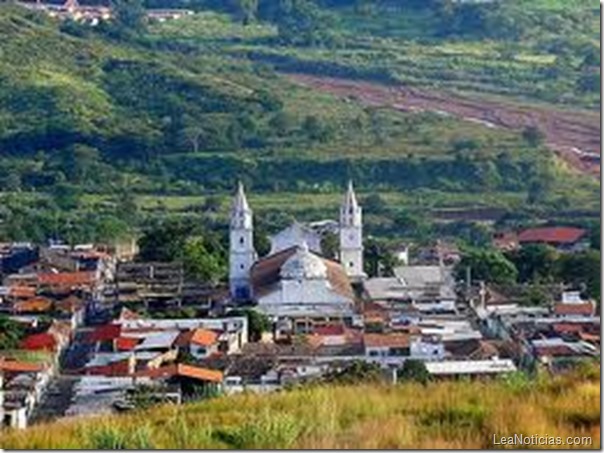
{"x":241,"y":240}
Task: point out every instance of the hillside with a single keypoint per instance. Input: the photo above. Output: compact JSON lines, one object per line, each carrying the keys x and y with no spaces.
{"x":93,"y":124}
{"x":456,"y":414}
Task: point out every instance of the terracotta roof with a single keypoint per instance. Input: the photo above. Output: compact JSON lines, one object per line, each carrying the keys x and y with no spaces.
{"x":35,"y":304}
{"x":22,"y":291}
{"x":266,"y":273}
{"x":590,"y":337}
{"x":40,"y":341}
{"x":393,"y":340}
{"x":70,"y":304}
{"x":16,"y":366}
{"x":585,"y":309}
{"x":204,"y":337}
{"x":332,"y":329}
{"x":193,"y":372}
{"x":552,"y":235}
{"x":67,"y":278}
{"x":126,"y":343}
{"x":104,"y":333}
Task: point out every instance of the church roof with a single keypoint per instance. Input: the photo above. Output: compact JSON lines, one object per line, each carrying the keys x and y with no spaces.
{"x":240,"y":203}
{"x":350,"y":200}
{"x":304,"y":265}
{"x":266,"y":273}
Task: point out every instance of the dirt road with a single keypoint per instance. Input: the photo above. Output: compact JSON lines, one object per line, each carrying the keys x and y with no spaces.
{"x":575,"y":136}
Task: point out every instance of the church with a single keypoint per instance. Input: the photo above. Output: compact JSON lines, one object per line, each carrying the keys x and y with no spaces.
{"x":295,"y":286}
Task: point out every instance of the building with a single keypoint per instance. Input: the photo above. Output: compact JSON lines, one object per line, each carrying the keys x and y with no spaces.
{"x":243,"y":256}
{"x":299,"y":289}
{"x":294,"y":285}
{"x":428,"y":289}
{"x":565,"y":239}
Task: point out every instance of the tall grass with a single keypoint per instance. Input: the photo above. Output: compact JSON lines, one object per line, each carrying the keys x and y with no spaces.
{"x":462,"y":414}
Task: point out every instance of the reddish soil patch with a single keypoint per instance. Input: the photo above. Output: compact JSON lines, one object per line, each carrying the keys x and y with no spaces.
{"x":574,"y":136}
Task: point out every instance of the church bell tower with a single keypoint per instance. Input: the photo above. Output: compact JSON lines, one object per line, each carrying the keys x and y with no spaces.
{"x":242,"y":254}
{"x":351,"y":236}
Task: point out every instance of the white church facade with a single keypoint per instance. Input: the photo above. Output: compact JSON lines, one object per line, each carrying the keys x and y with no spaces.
{"x":294,"y":285}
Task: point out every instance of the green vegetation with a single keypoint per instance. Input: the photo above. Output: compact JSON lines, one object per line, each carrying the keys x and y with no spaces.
{"x":169,"y":115}
{"x":455,"y":414}
{"x":11,"y":333}
{"x":536,"y":265}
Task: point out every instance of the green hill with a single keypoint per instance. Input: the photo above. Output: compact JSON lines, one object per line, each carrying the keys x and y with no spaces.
{"x":93,"y":121}
{"x":460,"y":414}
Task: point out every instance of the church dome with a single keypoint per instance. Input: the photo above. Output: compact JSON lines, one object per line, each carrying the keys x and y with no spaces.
{"x":304,"y":265}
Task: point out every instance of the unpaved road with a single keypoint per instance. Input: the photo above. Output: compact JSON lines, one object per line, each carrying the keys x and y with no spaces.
{"x":574,"y":136}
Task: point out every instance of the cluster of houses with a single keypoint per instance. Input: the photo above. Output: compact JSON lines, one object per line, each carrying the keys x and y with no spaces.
{"x":45,"y":296}
{"x":94,"y":14}
{"x":119,"y":331}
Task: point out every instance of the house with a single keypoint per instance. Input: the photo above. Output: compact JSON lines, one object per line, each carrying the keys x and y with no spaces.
{"x":23,"y":386}
{"x":470,"y":368}
{"x":572,"y":305}
{"x":428,"y":289}
{"x":564,"y":239}
{"x":203,"y":343}
{"x":190,"y":380}
{"x":392,"y":349}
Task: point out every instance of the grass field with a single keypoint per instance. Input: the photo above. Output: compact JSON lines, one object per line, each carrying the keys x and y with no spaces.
{"x":460,"y":414}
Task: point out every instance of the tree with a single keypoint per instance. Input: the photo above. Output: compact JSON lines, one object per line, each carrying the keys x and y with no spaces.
{"x":66,"y":196}
{"x":581,"y":269}
{"x":490,"y":266}
{"x":164,"y":241}
{"x":535,"y":263}
{"x":193,"y":136}
{"x":258,"y":323}
{"x":379,"y":260}
{"x":262,"y":243}
{"x":129,"y":17}
{"x":533,"y":136}
{"x":375,"y":204}
{"x":330,"y":245}
{"x":248,"y":10}
{"x":200,"y":264}
{"x":356,"y":372}
{"x":414,"y":370}
{"x":314,"y":130}
{"x":11,"y":333}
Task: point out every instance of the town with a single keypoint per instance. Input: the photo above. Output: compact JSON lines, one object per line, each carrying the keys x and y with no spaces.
{"x":93,"y":328}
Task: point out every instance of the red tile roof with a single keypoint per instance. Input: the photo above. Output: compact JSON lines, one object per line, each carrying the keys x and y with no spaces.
{"x":204,"y":337}
{"x":552,"y":235}
{"x":35,"y":304}
{"x":126,"y":343}
{"x":267,"y":272}
{"x":584,"y":309}
{"x":22,"y":291}
{"x":67,"y":278}
{"x":334,"y":329}
{"x":16,"y":366}
{"x":40,"y":342}
{"x":193,"y":372}
{"x":394,"y":340}
{"x":104,"y":333}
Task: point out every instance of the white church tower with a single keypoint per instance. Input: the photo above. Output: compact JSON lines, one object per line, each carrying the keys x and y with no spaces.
{"x":242,"y":254}
{"x":351,"y":235}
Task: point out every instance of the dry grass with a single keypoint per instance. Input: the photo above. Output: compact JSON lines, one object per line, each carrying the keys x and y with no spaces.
{"x":459,"y":414}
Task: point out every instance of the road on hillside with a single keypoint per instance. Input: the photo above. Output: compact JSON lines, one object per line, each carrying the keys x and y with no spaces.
{"x":574,"y":136}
